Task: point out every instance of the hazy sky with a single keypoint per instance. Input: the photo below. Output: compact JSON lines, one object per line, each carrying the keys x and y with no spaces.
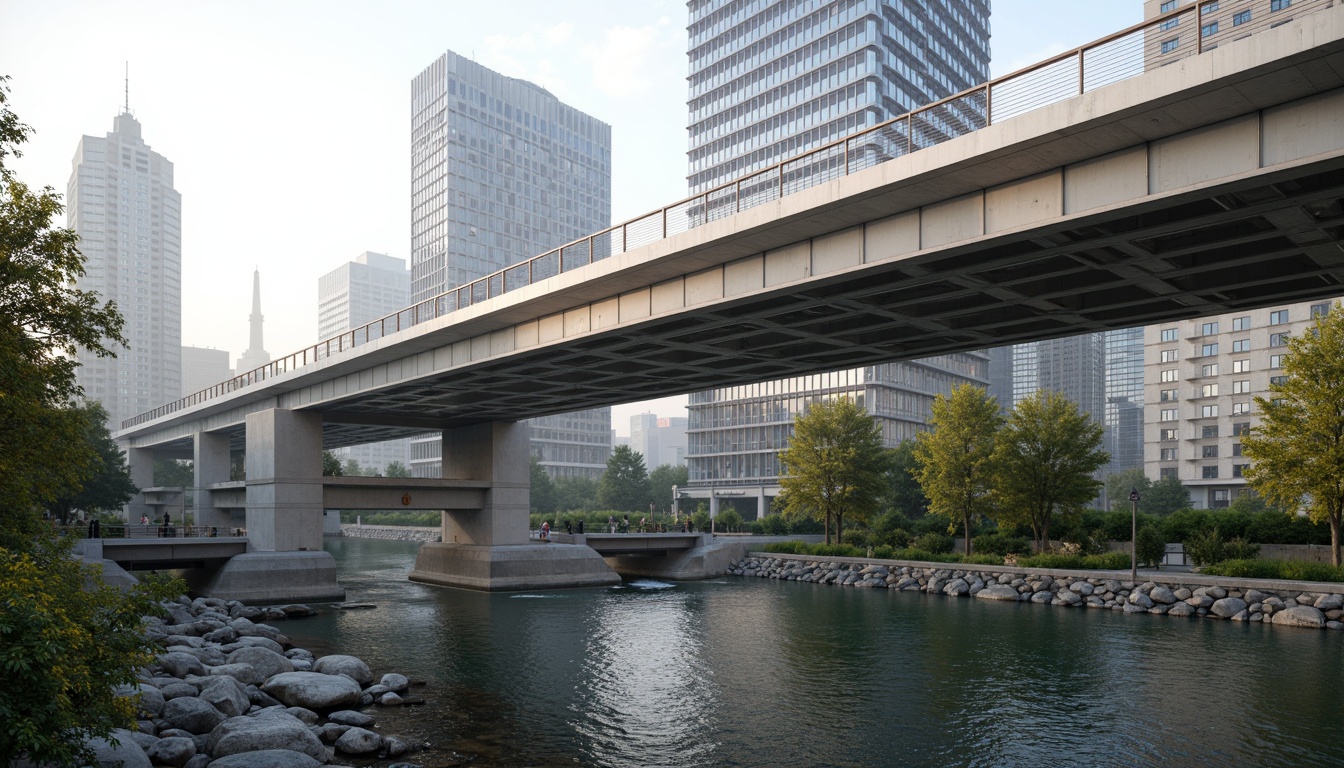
{"x":288,"y":123}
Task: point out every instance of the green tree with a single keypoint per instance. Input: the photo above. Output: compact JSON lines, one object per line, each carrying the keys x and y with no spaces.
{"x":1164,"y":497}
{"x":106,"y":481}
{"x":397,"y":469}
{"x":1150,"y":549}
{"x":625,"y":484}
{"x":1119,"y":484}
{"x":661,"y":481}
{"x":728,"y":521}
{"x":575,"y":493}
{"x":65,"y":639}
{"x":331,"y":465}
{"x":173,"y":473}
{"x":44,"y":452}
{"x":903,"y":493}
{"x":834,"y":466}
{"x":955,"y":468}
{"x":1044,"y":457}
{"x":352,"y":468}
{"x":1297,"y":449}
{"x":542,"y":492}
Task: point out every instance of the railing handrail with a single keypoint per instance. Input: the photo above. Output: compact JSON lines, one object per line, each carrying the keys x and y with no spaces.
{"x":702,"y":200}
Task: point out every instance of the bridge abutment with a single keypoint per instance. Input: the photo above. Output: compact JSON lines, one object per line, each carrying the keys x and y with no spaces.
{"x":488,"y":548}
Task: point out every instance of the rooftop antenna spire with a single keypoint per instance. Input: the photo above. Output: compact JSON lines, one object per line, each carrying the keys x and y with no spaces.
{"x":127,"y":107}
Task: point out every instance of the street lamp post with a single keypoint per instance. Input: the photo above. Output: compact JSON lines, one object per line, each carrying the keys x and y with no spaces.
{"x":1134,"y":535}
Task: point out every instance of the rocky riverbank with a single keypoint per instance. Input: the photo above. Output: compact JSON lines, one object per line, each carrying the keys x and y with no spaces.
{"x":393,"y":532}
{"x":1314,"y":606}
{"x":230,"y":691}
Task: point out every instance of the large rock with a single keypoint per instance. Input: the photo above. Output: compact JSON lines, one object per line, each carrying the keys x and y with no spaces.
{"x":175,"y":751}
{"x":227,"y":695}
{"x":267,"y":758}
{"x":1227,"y":607}
{"x":243,"y":673}
{"x":1330,"y":602}
{"x":351,"y":717}
{"x":149,"y":700}
{"x":358,"y":741}
{"x":262,"y":642}
{"x":1300,"y":616}
{"x":313,"y":690}
{"x":127,"y":755}
{"x":192,"y":715}
{"x":178,"y":689}
{"x":349,"y":666}
{"x":998,"y":592}
{"x":180,"y":665}
{"x":1161,"y":594}
{"x":279,"y":730}
{"x":264,"y":660}
{"x":1181,"y":609}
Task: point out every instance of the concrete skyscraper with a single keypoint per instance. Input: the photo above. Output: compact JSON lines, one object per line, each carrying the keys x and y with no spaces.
{"x":122,"y":203}
{"x":502,"y":171}
{"x":358,"y":292}
{"x":203,"y":367}
{"x":768,"y":81}
{"x":256,"y":355}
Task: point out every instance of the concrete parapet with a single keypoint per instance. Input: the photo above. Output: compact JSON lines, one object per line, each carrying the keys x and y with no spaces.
{"x":276,"y":577}
{"x":511,"y":567}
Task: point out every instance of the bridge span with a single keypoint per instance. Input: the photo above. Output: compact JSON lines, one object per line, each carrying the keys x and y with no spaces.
{"x":1212,"y":184}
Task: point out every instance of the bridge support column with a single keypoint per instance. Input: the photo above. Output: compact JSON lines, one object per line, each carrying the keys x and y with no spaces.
{"x":210,"y":463}
{"x":285,"y":561}
{"x":141,"y":463}
{"x":488,"y":548}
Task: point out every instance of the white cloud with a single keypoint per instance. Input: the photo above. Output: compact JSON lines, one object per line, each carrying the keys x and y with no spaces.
{"x":623,"y":63}
{"x":560,"y":33}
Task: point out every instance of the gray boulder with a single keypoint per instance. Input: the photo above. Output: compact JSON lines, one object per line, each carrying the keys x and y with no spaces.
{"x":1299,"y":616}
{"x":1141,"y":600}
{"x":267,"y":758}
{"x":174,"y":751}
{"x":313,"y":690}
{"x":1330,"y":602}
{"x":149,"y":700}
{"x":330,"y":732}
{"x":261,"y":642}
{"x":349,"y":666}
{"x":177,"y":689}
{"x":1181,"y":609}
{"x":243,"y":673}
{"x":305,"y":716}
{"x":1068,"y":597}
{"x":265,"y":661}
{"x":127,"y":755}
{"x":192,"y":714}
{"x":358,"y":741}
{"x":958,"y":587}
{"x":1227,"y":607}
{"x":278,"y":730}
{"x":227,"y":695}
{"x":1161,"y":594}
{"x":351,"y":717}
{"x":388,"y":700}
{"x":998,"y":592}
{"x":1081,"y":588}
{"x":180,"y":664}
{"x":201,"y":760}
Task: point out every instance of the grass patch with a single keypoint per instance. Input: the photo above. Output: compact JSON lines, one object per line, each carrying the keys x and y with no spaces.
{"x":1291,"y":570}
{"x":1110,"y":561}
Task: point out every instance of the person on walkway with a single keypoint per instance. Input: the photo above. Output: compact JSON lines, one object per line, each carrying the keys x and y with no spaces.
{"x":95,"y":529}
{"x":625,"y":524}
{"x":167,"y":522}
{"x":569,"y":526}
{"x":580,"y":526}
{"x":545,"y":530}
{"x":611,"y":524}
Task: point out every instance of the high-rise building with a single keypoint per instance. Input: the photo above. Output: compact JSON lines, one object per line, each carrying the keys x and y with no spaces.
{"x":129,"y":217}
{"x":1201,"y":378}
{"x":660,"y":439}
{"x":255,"y":355}
{"x":768,"y":81}
{"x":1217,"y":23}
{"x":358,"y":292}
{"x":204,"y":367}
{"x":501,"y":171}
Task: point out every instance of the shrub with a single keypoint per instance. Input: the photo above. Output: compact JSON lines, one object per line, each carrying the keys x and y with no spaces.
{"x":1000,"y":545}
{"x":937,"y":543}
{"x":835,"y":550}
{"x":982,"y":559}
{"x":773,"y":525}
{"x":805,"y":525}
{"x":1240,"y":549}
{"x":1051,"y":560}
{"x":1183,"y":525}
{"x":1295,"y":570}
{"x":856,"y":537}
{"x":883,"y":552}
{"x":921,"y":555}
{"x":932,"y":524}
{"x":1204,"y":547}
{"x":701,"y":520}
{"x":785,"y":547}
{"x":728,"y":520}
{"x":1150,"y":549}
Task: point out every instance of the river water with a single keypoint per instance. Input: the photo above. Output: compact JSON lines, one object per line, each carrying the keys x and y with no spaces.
{"x":754,"y":672}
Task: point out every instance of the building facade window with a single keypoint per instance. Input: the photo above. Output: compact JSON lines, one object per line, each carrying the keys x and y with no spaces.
{"x":1209,"y":430}
{"x":1241,"y":387}
{"x":1208,"y":29}
{"x":1170,"y":45}
{"x":1208,"y":451}
{"x":1170,"y":356}
{"x":1167,"y":5}
{"x":1319,"y":310}
{"x":1170,"y":396}
{"x":1168,"y":334}
{"x":1208,"y":411}
{"x":1208,"y":329}
{"x":1205,"y":350}
{"x":1241,"y":17}
{"x":1167,"y":434}
{"x":1239,"y":409}
{"x":1169,"y":454}
{"x":1166,"y":472}
{"x":1278,"y":317}
{"x":1241,"y":428}
{"x":1241,"y":366}
{"x":1209,"y":473}
{"x":1169,"y":414}
{"x":1208,"y":390}
{"x":1275,"y":362}
{"x":1242,"y":323}
{"x":1236,"y":449}
{"x":1278,"y":339}
{"x":1171,"y":374}
{"x":1239,"y":470}
{"x":1279,"y":5}
{"x":1208,"y":7}
{"x":1209,"y":370}
{"x":1241,"y":345}
{"x":1277,"y":380}
{"x":1169,"y":24}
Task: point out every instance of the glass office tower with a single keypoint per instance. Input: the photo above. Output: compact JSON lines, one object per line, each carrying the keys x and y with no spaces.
{"x":769,"y":80}
{"x":501,"y":171}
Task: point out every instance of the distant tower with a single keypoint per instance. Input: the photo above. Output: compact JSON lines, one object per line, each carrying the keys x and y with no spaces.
{"x":121,"y":201}
{"x":256,"y":354}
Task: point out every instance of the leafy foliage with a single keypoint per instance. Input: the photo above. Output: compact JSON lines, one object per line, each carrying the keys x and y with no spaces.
{"x":999,"y":544}
{"x":937,"y":543}
{"x":728,"y":521}
{"x":331,"y":465}
{"x":397,"y":469}
{"x":1164,"y":497}
{"x":955,"y":457}
{"x":1295,"y":570}
{"x":575,"y":493}
{"x":1149,"y":549}
{"x":106,"y":481}
{"x":1297,"y":450}
{"x":1110,"y":561}
{"x":903,"y":493}
{"x":65,"y":641}
{"x":542,"y":490}
{"x":834,"y":466}
{"x":1044,"y":457}
{"x":625,"y":484}
{"x":661,"y":481}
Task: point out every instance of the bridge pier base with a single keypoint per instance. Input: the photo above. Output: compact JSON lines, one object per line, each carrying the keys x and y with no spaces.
{"x":488,"y":548}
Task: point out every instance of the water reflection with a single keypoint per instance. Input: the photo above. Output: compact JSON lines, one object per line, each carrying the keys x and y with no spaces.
{"x":752,"y":672}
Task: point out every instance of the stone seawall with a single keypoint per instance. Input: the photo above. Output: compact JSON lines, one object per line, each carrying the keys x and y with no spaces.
{"x":1295,"y":604}
{"x":395,"y":532}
